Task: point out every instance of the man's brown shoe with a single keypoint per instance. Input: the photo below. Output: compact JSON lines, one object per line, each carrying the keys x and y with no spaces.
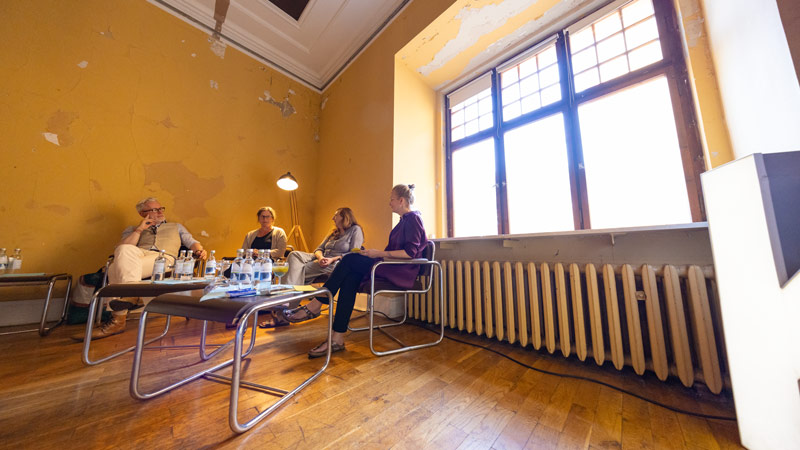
{"x":114,"y":326}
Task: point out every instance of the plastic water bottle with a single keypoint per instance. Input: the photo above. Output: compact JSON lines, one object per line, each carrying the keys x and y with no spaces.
{"x":3,"y":260}
{"x":178,"y":269}
{"x":258,"y":258}
{"x":159,"y":267}
{"x":15,"y":262}
{"x":211,"y":267}
{"x":247,"y":269}
{"x":188,"y":266}
{"x":236,"y":267}
{"x":266,"y":271}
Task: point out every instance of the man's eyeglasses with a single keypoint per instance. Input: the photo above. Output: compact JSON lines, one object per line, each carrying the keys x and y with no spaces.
{"x":147,"y":211}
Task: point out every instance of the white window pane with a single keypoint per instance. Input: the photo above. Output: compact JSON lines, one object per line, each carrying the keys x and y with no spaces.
{"x":583,"y":60}
{"x":474,"y":194}
{"x":551,"y":95}
{"x":537,"y":174}
{"x":471,"y":127}
{"x":511,"y":94}
{"x":471,"y":112}
{"x":581,"y":39}
{"x":457,"y":133}
{"x":611,"y":47}
{"x":529,"y":85}
{"x":586,"y":80}
{"x":511,"y":111}
{"x":530,"y":103}
{"x":527,"y":67}
{"x":547,"y":57}
{"x":548,"y":76}
{"x":485,"y":122}
{"x":637,"y":11}
{"x":641,"y":33}
{"x":485,"y":105}
{"x":614,"y":68}
{"x":607,"y":26}
{"x":634,"y":173}
{"x":485,"y":93}
{"x":457,"y":118}
{"x":645,"y":55}
{"x":509,"y":77}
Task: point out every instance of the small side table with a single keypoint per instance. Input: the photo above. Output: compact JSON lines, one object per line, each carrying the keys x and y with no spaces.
{"x":40,"y":279}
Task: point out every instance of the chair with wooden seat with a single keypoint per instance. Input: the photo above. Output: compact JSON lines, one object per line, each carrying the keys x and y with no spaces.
{"x":422,"y":285}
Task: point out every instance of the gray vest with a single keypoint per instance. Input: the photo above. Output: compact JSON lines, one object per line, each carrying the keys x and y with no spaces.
{"x":166,"y":238}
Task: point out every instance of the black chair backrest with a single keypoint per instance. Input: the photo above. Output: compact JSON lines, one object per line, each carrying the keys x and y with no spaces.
{"x":429,"y":253}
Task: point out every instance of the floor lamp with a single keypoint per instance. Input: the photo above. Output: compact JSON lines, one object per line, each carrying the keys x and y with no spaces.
{"x":288,"y":182}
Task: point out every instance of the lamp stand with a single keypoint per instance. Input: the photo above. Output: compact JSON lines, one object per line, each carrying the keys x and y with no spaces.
{"x":296,"y":229}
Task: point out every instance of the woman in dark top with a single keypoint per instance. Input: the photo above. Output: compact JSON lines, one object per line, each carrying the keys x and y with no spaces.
{"x":267,"y":237}
{"x":406,"y":241}
{"x":273,"y":239}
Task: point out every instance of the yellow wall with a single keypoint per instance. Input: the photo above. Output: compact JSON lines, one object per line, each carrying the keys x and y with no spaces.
{"x":153,"y":113}
{"x":708,"y":104}
{"x":416,"y":153}
{"x":357,"y":131}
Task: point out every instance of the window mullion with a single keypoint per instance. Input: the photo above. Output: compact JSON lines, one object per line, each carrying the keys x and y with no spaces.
{"x":577,"y":175}
{"x":500,"y":160}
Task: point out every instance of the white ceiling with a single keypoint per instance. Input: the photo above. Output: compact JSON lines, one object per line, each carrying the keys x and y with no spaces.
{"x":314,"y":49}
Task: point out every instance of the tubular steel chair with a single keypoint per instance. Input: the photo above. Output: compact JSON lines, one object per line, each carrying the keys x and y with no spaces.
{"x":49,"y":279}
{"x":142,"y":289}
{"x":225,"y":310}
{"x":422,"y":285}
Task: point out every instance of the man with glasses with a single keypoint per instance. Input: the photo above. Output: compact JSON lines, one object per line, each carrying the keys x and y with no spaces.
{"x":135,"y":255}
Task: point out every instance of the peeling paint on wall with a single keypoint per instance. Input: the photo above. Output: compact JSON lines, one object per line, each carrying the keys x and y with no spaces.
{"x":189,"y":191}
{"x":532,"y":27}
{"x":167,"y":123}
{"x":83,"y":64}
{"x":107,"y":34}
{"x":217,"y":47}
{"x":694,"y":30}
{"x":324,"y":101}
{"x":50,"y":137}
{"x":475,"y":22}
{"x":58,"y":127}
{"x":286,"y":108}
{"x":214,"y":84}
{"x":95,"y":184}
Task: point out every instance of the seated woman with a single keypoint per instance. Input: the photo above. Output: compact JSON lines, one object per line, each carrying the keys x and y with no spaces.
{"x":406,"y":241}
{"x":267,"y":237}
{"x":345,"y":236}
{"x":272,"y":239}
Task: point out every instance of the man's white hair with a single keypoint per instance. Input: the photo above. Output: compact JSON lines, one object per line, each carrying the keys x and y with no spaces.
{"x":140,"y":206}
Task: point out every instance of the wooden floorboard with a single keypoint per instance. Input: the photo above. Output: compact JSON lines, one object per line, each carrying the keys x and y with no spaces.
{"x":452,"y":396}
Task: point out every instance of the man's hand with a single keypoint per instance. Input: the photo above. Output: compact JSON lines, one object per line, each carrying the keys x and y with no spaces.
{"x":200,"y":254}
{"x":145,"y":224}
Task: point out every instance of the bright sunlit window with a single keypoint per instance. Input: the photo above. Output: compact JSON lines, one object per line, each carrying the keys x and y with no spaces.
{"x":591,"y":128}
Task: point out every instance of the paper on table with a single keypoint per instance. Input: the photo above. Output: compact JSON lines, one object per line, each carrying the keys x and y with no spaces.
{"x":305,"y":288}
{"x":171,"y":281}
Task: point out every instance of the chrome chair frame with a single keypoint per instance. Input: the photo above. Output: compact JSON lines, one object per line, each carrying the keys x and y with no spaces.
{"x":426,"y":270}
{"x":39,"y":280}
{"x":134,"y":289}
{"x":236,"y":363}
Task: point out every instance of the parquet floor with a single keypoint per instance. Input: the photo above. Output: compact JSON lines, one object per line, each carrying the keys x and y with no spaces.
{"x":449,"y":396}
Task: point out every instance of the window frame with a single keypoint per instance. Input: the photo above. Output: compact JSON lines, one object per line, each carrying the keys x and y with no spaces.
{"x":672,"y":66}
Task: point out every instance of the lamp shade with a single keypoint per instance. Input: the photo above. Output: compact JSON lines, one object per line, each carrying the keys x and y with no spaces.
{"x":287,"y":182}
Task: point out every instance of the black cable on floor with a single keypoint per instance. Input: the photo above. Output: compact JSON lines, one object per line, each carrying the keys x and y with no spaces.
{"x":575,"y":377}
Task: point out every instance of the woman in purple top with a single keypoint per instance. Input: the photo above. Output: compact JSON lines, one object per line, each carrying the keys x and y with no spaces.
{"x":406,"y":241}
